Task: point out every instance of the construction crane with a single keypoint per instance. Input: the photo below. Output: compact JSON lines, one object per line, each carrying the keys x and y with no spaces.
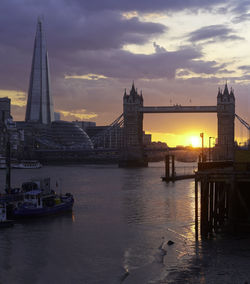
{"x":244,"y":123}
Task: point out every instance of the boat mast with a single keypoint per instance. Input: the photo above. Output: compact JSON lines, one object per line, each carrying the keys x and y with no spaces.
{"x":8,"y":165}
{"x":7,"y":154}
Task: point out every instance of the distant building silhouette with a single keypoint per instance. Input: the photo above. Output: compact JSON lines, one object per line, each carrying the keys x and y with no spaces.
{"x":57,"y":116}
{"x":39,"y":106}
{"x":15,"y":136}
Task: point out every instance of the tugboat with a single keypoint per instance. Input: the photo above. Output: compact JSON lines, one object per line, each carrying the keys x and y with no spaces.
{"x":39,"y":202}
{"x":3,"y":217}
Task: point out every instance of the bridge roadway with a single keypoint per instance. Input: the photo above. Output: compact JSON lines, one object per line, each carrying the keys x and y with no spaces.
{"x":179,"y":109}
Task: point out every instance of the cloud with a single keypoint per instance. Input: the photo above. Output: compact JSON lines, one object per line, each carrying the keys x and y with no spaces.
{"x":18,"y":98}
{"x":213,"y":33}
{"x":123,"y":64}
{"x":244,"y":68}
{"x":86,"y":77}
{"x":68,"y":31}
{"x":158,"y":48}
{"x":240,"y":7}
{"x":106,"y":30}
{"x":241,"y":18}
{"x":85,"y":42}
{"x":77,"y":115}
{"x":145,"y":6}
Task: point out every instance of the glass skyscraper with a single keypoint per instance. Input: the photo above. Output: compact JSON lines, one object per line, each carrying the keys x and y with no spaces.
{"x":39,"y":106}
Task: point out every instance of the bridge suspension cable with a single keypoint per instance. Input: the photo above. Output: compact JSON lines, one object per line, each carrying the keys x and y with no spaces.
{"x":244,"y":123}
{"x":111,"y":136}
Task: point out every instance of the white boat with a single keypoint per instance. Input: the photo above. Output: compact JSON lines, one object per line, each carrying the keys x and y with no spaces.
{"x":22,"y":164}
{"x":26,"y":164}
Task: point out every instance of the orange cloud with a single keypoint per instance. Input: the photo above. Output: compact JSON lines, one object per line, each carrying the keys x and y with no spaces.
{"x":77,"y":114}
{"x":18,"y":98}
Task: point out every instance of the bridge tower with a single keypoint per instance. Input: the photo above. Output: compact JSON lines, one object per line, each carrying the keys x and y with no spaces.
{"x":132,"y":154}
{"x":224,"y":149}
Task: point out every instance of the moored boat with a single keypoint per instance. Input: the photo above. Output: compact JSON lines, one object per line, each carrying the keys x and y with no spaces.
{"x":36,"y":203}
{"x":26,"y":164}
{"x":20,"y":164}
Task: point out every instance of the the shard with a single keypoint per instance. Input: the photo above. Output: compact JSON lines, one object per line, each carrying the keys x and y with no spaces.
{"x":39,"y":106}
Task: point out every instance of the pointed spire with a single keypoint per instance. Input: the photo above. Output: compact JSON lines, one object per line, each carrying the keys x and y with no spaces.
{"x":226,"y":92}
{"x":133,"y":91}
{"x":219,"y":93}
{"x":141,"y":96}
{"x":125,"y":93}
{"x":232,"y":93}
{"x":133,"y":86}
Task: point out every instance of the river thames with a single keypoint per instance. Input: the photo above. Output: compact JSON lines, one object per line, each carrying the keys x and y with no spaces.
{"x":118,"y":233}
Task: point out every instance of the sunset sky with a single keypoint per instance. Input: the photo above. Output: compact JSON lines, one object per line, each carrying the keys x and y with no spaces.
{"x":176,"y":51}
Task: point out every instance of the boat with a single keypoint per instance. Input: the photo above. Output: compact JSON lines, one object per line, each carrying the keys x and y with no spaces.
{"x":4,"y":222}
{"x":26,"y":164}
{"x":40,"y":201}
{"x":22,"y":164}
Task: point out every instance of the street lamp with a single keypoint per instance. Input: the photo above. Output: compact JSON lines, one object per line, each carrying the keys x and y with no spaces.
{"x":209,"y":150}
{"x":202,"y":146}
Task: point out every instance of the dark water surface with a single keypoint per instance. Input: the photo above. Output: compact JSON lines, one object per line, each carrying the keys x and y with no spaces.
{"x":121,"y":222}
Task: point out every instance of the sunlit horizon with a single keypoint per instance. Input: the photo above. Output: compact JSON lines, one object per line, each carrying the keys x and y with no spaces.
{"x":185,"y":139}
{"x":189,"y":139}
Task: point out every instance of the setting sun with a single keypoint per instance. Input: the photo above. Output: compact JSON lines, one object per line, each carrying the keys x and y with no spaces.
{"x":195,"y":141}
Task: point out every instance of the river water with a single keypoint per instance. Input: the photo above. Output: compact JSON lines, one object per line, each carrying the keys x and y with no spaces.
{"x":118,"y":233}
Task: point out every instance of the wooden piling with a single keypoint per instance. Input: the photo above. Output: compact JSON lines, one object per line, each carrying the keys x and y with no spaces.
{"x":204,"y":209}
{"x":173,"y":167}
{"x":196,"y":210}
{"x":167,"y":167}
{"x":222,"y":204}
{"x":216,"y":205}
{"x":211,"y":206}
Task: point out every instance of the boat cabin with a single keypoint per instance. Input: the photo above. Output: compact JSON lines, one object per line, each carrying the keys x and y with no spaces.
{"x":34,"y":198}
{"x":37,"y":184}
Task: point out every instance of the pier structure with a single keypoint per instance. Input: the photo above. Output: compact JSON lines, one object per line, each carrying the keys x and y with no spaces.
{"x":133,"y":111}
{"x":222,"y":198}
{"x":171,"y":175}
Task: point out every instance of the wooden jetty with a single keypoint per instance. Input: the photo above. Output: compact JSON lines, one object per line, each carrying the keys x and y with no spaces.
{"x":223,"y":191}
{"x":170,"y":163}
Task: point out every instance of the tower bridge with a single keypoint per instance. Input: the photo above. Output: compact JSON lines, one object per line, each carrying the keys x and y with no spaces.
{"x":133,"y":111}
